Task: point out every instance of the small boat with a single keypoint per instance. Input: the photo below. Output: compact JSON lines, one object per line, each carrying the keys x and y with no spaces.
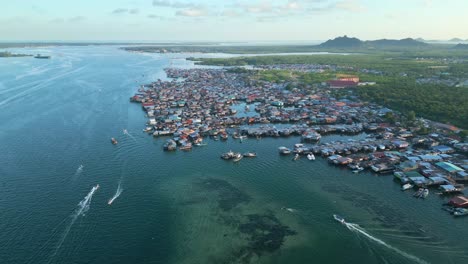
{"x":186,"y":147}
{"x":418,"y":193}
{"x":339,"y":219}
{"x":147,"y":129}
{"x":406,"y":186}
{"x":296,"y":157}
{"x":250,"y":154}
{"x":311,"y":156}
{"x":200,"y":144}
{"x":460,"y":212}
{"x":237,"y":157}
{"x":284,"y":151}
{"x":228,"y":155}
{"x":358,"y":169}
{"x":114,"y":141}
{"x":425,"y":193}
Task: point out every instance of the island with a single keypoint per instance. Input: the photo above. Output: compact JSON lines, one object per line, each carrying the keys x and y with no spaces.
{"x":7,"y":54}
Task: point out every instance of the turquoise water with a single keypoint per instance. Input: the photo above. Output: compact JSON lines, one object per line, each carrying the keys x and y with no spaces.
{"x":182,"y":207}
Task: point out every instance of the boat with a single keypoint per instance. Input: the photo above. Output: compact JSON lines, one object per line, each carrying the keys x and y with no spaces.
{"x":418,"y":193}
{"x":284,"y":151}
{"x":425,"y":193}
{"x":224,"y":136}
{"x":296,"y":157}
{"x":237,"y":157}
{"x":460,"y":212}
{"x":339,"y":219}
{"x":148,"y":129}
{"x":250,"y":154}
{"x":200,"y":144}
{"x":39,"y":56}
{"x":114,"y":141}
{"x":358,"y":169}
{"x":311,"y":156}
{"x":228,"y":155}
{"x":186,"y":146}
{"x":406,"y":186}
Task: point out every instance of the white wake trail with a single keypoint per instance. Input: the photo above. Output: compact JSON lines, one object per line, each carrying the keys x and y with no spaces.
{"x":117,"y":193}
{"x":128,"y":134}
{"x":83,"y":207}
{"x":360,"y":230}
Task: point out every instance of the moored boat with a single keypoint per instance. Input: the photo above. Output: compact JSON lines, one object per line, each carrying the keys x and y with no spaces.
{"x":250,"y":154}
{"x":406,"y":186}
{"x":310,"y":156}
{"x":284,"y":151}
{"x":460,"y":212}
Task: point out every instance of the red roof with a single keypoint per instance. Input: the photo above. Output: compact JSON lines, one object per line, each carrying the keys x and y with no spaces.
{"x":459,"y":201}
{"x":340,"y":83}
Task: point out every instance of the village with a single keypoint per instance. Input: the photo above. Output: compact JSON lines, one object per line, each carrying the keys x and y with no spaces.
{"x":218,"y":103}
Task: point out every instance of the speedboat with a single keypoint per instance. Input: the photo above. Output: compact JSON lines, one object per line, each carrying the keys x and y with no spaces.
{"x":406,"y":186}
{"x":339,"y":219}
{"x":114,"y":141}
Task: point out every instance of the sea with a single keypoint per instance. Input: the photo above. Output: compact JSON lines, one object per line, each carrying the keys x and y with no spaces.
{"x":67,"y":195}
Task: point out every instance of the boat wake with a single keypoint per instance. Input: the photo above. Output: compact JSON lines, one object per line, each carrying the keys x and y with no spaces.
{"x":79,"y":170}
{"x":117,"y":194}
{"x":128,"y":134}
{"x":83,"y":207}
{"x":357,"y":229}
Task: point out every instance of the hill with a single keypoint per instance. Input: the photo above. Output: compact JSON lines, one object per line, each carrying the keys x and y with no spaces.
{"x":347,"y":42}
{"x":461,"y":46}
{"x":342,"y":42}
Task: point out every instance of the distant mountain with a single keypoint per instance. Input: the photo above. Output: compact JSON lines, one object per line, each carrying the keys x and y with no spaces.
{"x":387,"y":43}
{"x":342,"y":42}
{"x":346,"y":42}
{"x":456,"y":40}
{"x":461,"y":46}
{"x":421,"y":39}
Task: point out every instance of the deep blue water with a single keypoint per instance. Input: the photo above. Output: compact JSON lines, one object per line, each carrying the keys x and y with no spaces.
{"x":58,"y":114}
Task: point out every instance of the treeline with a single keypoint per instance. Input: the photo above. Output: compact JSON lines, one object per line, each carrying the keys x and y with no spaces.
{"x":435,"y":102}
{"x":385,"y":63}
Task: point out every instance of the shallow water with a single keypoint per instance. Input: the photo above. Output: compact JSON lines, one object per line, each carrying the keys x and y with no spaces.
{"x":182,"y":207}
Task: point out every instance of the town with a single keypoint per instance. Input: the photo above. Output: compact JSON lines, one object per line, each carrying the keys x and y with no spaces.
{"x":216,"y":103}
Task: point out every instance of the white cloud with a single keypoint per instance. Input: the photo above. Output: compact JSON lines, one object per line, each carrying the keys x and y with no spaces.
{"x":172,"y":4}
{"x":192,"y":12}
{"x":132,"y":11}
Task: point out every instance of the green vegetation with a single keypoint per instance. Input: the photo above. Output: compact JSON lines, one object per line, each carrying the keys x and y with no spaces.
{"x":6,"y":54}
{"x":396,"y":78}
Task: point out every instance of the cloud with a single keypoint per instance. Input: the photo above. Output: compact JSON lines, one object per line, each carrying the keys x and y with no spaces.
{"x":76,"y":19}
{"x":172,"y":4}
{"x":119,"y":11}
{"x":192,"y":12}
{"x":350,"y":5}
{"x":152,"y":16}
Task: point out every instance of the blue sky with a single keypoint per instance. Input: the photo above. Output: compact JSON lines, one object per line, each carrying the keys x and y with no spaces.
{"x":236,"y":20}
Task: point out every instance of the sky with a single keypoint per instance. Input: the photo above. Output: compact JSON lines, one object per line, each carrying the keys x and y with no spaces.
{"x":230,"y":20}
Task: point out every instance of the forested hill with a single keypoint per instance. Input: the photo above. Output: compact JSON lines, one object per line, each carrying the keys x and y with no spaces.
{"x":353,"y":43}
